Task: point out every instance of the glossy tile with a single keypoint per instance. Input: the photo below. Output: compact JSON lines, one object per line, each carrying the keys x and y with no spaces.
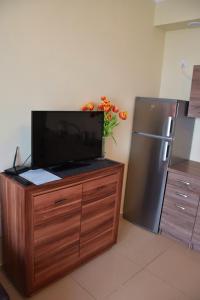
{"x":140,"y":245}
{"x":145,"y":286}
{"x":129,"y":232}
{"x":179,"y":267}
{"x":104,"y":274}
{"x":63,"y":289}
{"x":140,"y":266}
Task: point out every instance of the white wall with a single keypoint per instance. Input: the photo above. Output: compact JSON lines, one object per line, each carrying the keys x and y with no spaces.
{"x":58,"y":54}
{"x":176,"y":83}
{"x":174,"y":11}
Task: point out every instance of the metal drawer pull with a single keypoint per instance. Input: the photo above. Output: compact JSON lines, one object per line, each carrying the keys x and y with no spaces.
{"x":179,"y":206}
{"x":59,"y":202}
{"x":182,"y":195}
{"x":184,"y":182}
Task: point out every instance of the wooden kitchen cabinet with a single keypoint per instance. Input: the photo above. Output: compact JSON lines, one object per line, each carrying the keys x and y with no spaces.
{"x":196,"y":232}
{"x":194,"y":104}
{"x":49,"y":230}
{"x":181,"y":210}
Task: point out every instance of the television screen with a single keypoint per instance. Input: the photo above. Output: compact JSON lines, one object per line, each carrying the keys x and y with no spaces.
{"x":63,"y":136}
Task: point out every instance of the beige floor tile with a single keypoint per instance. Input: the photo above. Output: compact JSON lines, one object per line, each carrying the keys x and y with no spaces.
{"x":129,"y":232}
{"x":140,"y":245}
{"x":192,"y":254}
{"x":63,"y":289}
{"x":105,"y":274}
{"x":145,"y":286}
{"x":177,"y":267}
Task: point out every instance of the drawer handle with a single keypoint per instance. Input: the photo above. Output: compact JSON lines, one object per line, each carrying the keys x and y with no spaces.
{"x":182,"y":195}
{"x":60,"y":202}
{"x":180,"y":207}
{"x":184,"y":182}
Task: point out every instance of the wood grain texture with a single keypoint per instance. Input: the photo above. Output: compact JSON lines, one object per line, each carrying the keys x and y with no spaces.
{"x":196,"y":232}
{"x":51,"y":264}
{"x":184,"y":182}
{"x":13,"y":231}
{"x":194,"y":105}
{"x":187,"y":168}
{"x":42,"y":235}
{"x":188,"y":201}
{"x":183,"y":178}
{"x":97,"y":217}
{"x":100,"y":242}
{"x":100,"y":188}
{"x":178,"y":215}
{"x":54,"y":203}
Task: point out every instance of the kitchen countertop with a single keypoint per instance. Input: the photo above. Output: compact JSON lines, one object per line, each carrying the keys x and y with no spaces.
{"x":190,"y":167}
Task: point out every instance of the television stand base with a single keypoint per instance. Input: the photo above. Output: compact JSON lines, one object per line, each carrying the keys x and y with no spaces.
{"x":67,"y":166}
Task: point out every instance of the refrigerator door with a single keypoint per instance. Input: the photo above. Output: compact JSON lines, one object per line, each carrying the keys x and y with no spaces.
{"x":154,"y":116}
{"x":146,"y":179}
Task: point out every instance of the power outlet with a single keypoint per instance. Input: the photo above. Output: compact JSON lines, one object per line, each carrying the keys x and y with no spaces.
{"x":183,"y":64}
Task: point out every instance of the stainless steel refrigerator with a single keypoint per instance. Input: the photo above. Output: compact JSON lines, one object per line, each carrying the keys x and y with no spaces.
{"x":162,"y":135}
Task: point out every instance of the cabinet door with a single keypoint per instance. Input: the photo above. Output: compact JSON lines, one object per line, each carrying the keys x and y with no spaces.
{"x":196,"y":233}
{"x":99,"y":213}
{"x":179,"y":212}
{"x":56,"y":232}
{"x":194,"y":104}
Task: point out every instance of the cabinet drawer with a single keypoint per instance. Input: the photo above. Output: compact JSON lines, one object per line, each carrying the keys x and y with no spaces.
{"x":178,"y":214}
{"x":186,"y":183}
{"x":55,"y":203}
{"x":94,"y":245}
{"x":186,"y":202}
{"x":100,"y":188}
{"x":97,"y":217}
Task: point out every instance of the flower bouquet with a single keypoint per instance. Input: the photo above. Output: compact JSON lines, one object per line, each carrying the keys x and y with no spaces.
{"x":111,"y":114}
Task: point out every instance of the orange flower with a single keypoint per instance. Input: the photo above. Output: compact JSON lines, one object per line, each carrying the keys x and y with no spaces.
{"x":84,"y":108}
{"x":105,"y":99}
{"x":115,"y":109}
{"x":90,"y":106}
{"x":107,"y":107}
{"x":100,"y":106}
{"x":123,"y":115}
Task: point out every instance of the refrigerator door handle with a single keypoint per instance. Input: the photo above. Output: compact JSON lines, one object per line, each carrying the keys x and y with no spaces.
{"x":166,"y":151}
{"x":169,"y":126}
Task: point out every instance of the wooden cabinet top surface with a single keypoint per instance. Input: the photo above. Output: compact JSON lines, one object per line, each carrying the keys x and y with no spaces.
{"x":188,"y":167}
{"x":73,"y":176}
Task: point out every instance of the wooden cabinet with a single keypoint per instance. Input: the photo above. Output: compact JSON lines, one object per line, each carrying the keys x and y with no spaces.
{"x":49,"y":230}
{"x":196,"y":232}
{"x":194,"y":104}
{"x":56,"y":231}
{"x":180,"y":219}
{"x":98,"y":214}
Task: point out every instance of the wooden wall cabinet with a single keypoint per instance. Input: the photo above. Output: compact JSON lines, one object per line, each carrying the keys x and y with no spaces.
{"x":181,"y":210}
{"x":194,"y":104}
{"x":49,"y":230}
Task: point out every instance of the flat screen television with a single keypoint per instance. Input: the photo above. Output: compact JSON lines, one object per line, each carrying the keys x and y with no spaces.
{"x":59,"y":137}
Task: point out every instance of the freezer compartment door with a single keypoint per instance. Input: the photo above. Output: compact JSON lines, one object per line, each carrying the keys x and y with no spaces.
{"x":147,"y":172}
{"x":154,"y":116}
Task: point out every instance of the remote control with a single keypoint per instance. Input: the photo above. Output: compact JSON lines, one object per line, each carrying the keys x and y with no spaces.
{"x":22,"y":180}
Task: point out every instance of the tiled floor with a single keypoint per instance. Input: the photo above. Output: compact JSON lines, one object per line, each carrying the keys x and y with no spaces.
{"x":141,"y":266}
